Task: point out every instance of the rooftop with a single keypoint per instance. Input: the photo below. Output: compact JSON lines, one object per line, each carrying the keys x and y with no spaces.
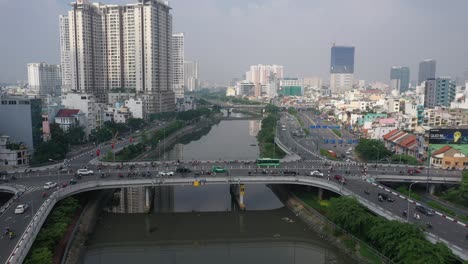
{"x":67,"y":112}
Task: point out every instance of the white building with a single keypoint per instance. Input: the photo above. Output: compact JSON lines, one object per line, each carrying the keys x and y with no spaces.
{"x":88,"y":105}
{"x":65,"y":52}
{"x":262,"y":75}
{"x":44,"y":79}
{"x":340,"y":82}
{"x":136,"y":107}
{"x":122,"y":47}
{"x":191,"y":78}
{"x":67,"y":118}
{"x":178,"y":64}
{"x":11,"y":154}
{"x":231,"y":91}
{"x":245,"y":88}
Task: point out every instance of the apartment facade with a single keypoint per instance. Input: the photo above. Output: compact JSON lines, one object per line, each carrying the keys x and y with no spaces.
{"x":341,"y":69}
{"x":122,"y":47}
{"x":178,"y":64}
{"x":44,"y":79}
{"x":191,"y":78}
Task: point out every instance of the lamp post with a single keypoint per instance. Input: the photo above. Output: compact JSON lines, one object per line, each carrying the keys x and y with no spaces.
{"x":378,"y":153}
{"x":58,"y":173}
{"x":409,"y":197}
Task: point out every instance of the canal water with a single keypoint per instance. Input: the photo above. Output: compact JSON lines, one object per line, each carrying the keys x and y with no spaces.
{"x":188,"y":224}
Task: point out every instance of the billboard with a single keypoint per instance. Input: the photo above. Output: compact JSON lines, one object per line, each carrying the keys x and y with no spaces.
{"x":448,"y":136}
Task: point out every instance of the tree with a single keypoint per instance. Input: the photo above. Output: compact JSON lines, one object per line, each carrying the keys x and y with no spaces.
{"x":372,"y":149}
{"x":40,"y":255}
{"x":75,"y":135}
{"x":292,"y":110}
{"x":135,"y":123}
{"x":349,"y":214}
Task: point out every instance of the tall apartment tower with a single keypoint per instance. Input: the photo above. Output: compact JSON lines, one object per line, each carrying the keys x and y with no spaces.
{"x":341,"y":69}
{"x":427,"y":70}
{"x":44,"y":79}
{"x":121,"y":47}
{"x":399,"y":78}
{"x":262,"y":75}
{"x":65,"y":52}
{"x":191,"y":81}
{"x":178,"y":64}
{"x":439,"y":92}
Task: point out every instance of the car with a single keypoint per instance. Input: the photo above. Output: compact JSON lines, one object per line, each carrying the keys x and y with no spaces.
{"x":370,"y":180}
{"x":218,"y":169}
{"x":384,"y":197}
{"x":21,"y":208}
{"x":183,"y":170}
{"x":84,"y":172}
{"x":166,"y":173}
{"x":316,"y":173}
{"x":289,"y":172}
{"x":73,"y":181}
{"x":49,"y":185}
{"x":413,"y":171}
{"x":425,"y":210}
{"x":340,"y":178}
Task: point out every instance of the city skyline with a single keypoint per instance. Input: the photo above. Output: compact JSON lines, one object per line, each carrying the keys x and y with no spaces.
{"x":376,"y":48}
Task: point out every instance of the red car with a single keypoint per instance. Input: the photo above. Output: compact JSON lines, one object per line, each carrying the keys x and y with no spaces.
{"x":340,"y":178}
{"x":413,"y":171}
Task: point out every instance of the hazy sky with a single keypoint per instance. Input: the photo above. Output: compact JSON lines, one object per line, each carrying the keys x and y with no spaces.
{"x":226,"y":36}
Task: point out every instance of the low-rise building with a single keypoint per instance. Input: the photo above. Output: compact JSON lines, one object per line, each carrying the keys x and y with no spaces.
{"x":12,"y":154}
{"x":136,"y":107}
{"x":402,"y":143}
{"x":449,"y":158}
{"x":67,"y":118}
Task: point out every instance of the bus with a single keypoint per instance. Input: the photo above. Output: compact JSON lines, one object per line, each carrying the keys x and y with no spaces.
{"x":267,"y":162}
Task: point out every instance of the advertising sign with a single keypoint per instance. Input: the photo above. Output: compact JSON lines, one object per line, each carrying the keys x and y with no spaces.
{"x":448,"y":136}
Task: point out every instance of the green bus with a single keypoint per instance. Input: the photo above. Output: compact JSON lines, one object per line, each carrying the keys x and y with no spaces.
{"x":267,"y":162}
{"x":218,"y":169}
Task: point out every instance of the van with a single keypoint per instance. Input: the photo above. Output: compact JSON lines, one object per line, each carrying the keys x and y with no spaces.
{"x":425,"y":210}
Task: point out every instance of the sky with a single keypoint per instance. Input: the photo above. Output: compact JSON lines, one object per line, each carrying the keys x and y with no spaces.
{"x":227,"y":36}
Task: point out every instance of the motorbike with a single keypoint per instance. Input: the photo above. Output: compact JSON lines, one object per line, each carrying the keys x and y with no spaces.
{"x":366,"y":192}
{"x":405,"y":213}
{"x":11,"y":234}
{"x":44,"y":195}
{"x":429,"y":225}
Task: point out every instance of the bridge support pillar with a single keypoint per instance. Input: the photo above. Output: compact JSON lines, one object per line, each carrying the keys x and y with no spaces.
{"x":237,"y":191}
{"x":432,"y":188}
{"x":320,"y":193}
{"x":147,"y":198}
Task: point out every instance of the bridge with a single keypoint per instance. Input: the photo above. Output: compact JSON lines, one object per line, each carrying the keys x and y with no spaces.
{"x":445,"y":229}
{"x":28,"y":188}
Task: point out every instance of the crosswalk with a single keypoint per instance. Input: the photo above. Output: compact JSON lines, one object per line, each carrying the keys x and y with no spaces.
{"x":33,"y":189}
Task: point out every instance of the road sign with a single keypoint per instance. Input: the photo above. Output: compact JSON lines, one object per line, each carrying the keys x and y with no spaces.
{"x":325,"y":141}
{"x":350,"y":141}
{"x":324,"y":127}
{"x":332,"y":141}
{"x":340,"y":141}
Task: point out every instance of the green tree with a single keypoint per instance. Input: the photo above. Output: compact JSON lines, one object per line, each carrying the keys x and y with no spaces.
{"x":349,"y":214}
{"x":75,"y":135}
{"x":372,"y":149}
{"x":135,"y":123}
{"x":40,"y":255}
{"x":292,"y":110}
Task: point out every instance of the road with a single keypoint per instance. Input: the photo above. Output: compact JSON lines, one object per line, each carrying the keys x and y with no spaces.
{"x":355,"y":174}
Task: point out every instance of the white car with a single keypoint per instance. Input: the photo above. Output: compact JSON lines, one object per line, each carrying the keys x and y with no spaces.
{"x":21,"y":208}
{"x":50,"y":185}
{"x":316,"y":173}
{"x":84,"y":172}
{"x":166,"y":173}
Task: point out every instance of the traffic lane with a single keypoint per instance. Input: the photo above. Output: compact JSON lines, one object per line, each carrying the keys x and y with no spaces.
{"x":17,"y":222}
{"x":442,"y":227}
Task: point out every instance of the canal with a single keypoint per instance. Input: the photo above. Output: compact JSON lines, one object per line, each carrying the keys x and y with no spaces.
{"x":188,"y":224}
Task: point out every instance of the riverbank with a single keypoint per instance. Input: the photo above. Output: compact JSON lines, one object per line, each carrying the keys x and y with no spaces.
{"x":356,"y":249}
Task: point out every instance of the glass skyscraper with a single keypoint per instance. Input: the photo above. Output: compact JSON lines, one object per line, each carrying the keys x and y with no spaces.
{"x":400,"y":77}
{"x":427,"y":70}
{"x":342,"y":59}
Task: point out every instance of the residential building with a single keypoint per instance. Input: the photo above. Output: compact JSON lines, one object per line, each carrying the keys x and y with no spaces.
{"x":402,"y":143}
{"x":136,"y":107}
{"x":341,"y":69}
{"x":44,"y":79}
{"x":12,"y":154}
{"x":231,"y":91}
{"x":262,"y":75}
{"x":399,"y":78}
{"x":191,"y":81}
{"x":178,"y":64}
{"x":89,"y":106}
{"x":21,"y":120}
{"x":122,"y":47}
{"x":291,"y":87}
{"x":312,"y":87}
{"x":439,"y":92}
{"x":448,"y":157}
{"x":68,"y":118}
{"x":427,"y":70}
{"x":245,"y":88}
{"x":64,"y":28}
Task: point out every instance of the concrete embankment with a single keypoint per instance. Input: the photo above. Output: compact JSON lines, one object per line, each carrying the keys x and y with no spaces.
{"x":76,"y":246}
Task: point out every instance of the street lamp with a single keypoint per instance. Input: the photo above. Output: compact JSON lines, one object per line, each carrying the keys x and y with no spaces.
{"x":409,"y":197}
{"x":378,"y":152}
